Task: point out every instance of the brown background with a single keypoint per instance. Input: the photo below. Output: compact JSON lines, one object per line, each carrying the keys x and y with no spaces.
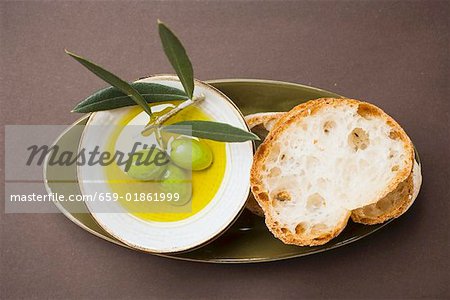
{"x":394,"y":54}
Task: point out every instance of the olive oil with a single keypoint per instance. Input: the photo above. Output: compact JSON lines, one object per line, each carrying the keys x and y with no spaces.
{"x":205,"y":183}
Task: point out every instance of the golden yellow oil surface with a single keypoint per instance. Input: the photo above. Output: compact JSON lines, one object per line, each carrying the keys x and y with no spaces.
{"x":205,"y":183}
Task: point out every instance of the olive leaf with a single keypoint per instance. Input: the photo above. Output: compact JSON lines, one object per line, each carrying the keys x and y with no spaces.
{"x":115,"y":81}
{"x":178,"y":57}
{"x":211,"y":130}
{"x":111,"y":97}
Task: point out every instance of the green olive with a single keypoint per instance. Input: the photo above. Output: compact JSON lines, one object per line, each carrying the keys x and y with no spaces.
{"x":191,"y":154}
{"x":177,"y":181}
{"x":148,"y":165}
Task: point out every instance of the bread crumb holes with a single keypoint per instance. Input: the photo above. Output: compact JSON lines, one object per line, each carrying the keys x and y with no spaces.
{"x":328,"y":125}
{"x":314,"y":202}
{"x":358,"y":139}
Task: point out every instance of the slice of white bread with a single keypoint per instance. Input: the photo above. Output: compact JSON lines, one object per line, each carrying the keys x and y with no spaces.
{"x":324,"y":159}
{"x":391,"y":206}
{"x":263,"y":122}
{"x":260,"y":124}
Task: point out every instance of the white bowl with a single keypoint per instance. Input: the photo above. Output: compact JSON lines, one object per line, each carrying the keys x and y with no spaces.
{"x":169,"y":237}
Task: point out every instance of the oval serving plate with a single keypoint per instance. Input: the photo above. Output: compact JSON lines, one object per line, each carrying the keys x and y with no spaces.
{"x":248,"y":240}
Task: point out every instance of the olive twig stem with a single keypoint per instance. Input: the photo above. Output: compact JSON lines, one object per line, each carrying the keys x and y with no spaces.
{"x":173,"y":112}
{"x":159,"y":139}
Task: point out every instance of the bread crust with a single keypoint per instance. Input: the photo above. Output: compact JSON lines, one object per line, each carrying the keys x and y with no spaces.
{"x":298,"y":239}
{"x":299,"y":112}
{"x":263,"y":118}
